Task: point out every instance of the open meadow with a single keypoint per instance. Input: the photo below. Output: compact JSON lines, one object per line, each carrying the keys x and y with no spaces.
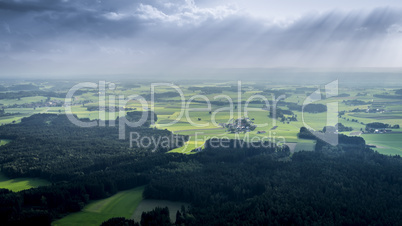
{"x":19,"y":184}
{"x":122,"y":204}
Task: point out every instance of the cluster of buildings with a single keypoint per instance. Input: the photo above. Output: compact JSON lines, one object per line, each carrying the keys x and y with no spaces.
{"x":241,"y":125}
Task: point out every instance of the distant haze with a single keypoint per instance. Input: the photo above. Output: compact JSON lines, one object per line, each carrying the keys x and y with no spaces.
{"x":57,"y":38}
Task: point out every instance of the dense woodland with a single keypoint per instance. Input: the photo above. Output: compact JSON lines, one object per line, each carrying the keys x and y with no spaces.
{"x":242,"y":184}
{"x":310,"y":108}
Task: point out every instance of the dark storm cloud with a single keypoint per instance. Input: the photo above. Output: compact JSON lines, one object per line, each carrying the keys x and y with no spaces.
{"x":38,"y":24}
{"x":160,"y":32}
{"x":124,"y":18}
{"x":27,"y":6}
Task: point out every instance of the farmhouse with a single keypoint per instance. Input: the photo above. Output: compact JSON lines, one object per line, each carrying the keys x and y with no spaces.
{"x":240,"y":125}
{"x":383,"y":130}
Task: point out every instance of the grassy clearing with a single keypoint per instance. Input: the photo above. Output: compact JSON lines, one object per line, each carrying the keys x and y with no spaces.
{"x":11,"y":119}
{"x":189,"y":146}
{"x":388,"y":144}
{"x":122,"y":204}
{"x":24,"y":112}
{"x":4,"y":142}
{"x":19,"y":184}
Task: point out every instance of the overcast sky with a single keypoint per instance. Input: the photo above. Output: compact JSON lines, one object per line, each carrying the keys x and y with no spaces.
{"x":62,"y":37}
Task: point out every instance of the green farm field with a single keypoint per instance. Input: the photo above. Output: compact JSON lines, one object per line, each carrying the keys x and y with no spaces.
{"x":24,"y":100}
{"x":4,"y":141}
{"x":22,"y":112}
{"x":390,"y":144}
{"x":19,"y":184}
{"x":122,"y":204}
